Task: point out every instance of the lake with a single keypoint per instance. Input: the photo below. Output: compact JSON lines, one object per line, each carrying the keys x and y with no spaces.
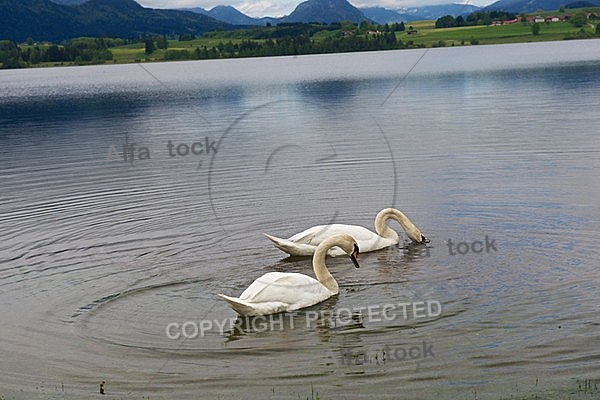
{"x":132,"y":195}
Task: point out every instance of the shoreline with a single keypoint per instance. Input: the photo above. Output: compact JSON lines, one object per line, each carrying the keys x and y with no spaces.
{"x":232,"y":44}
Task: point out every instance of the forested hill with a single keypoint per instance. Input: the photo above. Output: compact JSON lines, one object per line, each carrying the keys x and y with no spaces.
{"x":529,"y":6}
{"x":44,"y":20}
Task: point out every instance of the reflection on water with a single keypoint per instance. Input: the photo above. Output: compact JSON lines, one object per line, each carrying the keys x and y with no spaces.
{"x":108,"y":266}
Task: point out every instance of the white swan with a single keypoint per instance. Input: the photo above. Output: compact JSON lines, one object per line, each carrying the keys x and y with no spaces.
{"x":305,"y":243}
{"x":279,"y":291}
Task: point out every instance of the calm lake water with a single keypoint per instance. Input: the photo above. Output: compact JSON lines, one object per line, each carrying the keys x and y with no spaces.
{"x":491,"y":144}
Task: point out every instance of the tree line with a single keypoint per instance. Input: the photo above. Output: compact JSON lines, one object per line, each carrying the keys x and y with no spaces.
{"x":283,"y":39}
{"x":79,"y":51}
{"x":473,"y":19}
{"x":579,"y":19}
{"x":296,"y":39}
{"x":289,"y":46}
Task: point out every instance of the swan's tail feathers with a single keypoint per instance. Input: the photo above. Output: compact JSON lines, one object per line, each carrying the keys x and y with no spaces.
{"x":247,"y":309}
{"x":238,"y":305}
{"x":292,"y":248}
{"x":277,"y":241}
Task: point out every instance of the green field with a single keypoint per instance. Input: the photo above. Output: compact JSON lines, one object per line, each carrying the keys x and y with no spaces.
{"x":136,"y":52}
{"x":429,"y":36}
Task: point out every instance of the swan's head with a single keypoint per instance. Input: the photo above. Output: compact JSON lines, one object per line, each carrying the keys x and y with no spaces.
{"x":384,"y":230}
{"x":418,"y":237}
{"x":344,"y":242}
{"x":411,"y":230}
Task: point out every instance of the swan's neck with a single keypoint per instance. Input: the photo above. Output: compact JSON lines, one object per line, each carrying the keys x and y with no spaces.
{"x":382,"y":228}
{"x":321,"y":271}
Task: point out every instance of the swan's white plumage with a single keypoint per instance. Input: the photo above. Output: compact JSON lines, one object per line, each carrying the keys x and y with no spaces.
{"x":293,"y":291}
{"x":280,"y":291}
{"x":306,"y":242}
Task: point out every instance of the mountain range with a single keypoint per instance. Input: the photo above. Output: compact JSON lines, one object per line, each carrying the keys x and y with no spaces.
{"x":319,"y":11}
{"x":46,"y":20}
{"x":58,"y":20}
{"x":233,"y":16}
{"x":327,"y":11}
{"x":336,"y":10}
{"x":387,"y":16}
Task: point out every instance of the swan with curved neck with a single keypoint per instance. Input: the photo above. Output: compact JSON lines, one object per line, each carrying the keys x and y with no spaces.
{"x":276,"y":292}
{"x":305,"y":243}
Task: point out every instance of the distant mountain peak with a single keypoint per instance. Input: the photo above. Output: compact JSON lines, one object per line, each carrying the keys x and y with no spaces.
{"x":230,"y":14}
{"x":325,"y":11}
{"x":224,"y":7}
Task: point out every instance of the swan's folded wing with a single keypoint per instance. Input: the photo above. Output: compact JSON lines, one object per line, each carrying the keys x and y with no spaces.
{"x":293,"y":249}
{"x":313,"y":236}
{"x":306,"y":242}
{"x":296,"y":290}
{"x":317,"y":234}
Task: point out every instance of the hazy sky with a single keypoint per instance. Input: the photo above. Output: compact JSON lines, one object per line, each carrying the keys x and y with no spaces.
{"x":278,"y":8}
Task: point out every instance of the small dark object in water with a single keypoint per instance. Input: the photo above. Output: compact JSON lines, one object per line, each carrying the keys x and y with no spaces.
{"x":102,"y":387}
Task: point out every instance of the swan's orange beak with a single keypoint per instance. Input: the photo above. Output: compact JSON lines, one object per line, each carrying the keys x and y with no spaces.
{"x":354,"y":256}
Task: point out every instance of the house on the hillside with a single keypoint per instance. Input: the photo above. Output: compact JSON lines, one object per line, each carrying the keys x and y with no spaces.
{"x":500,"y":22}
{"x":540,"y":19}
{"x":552,"y":19}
